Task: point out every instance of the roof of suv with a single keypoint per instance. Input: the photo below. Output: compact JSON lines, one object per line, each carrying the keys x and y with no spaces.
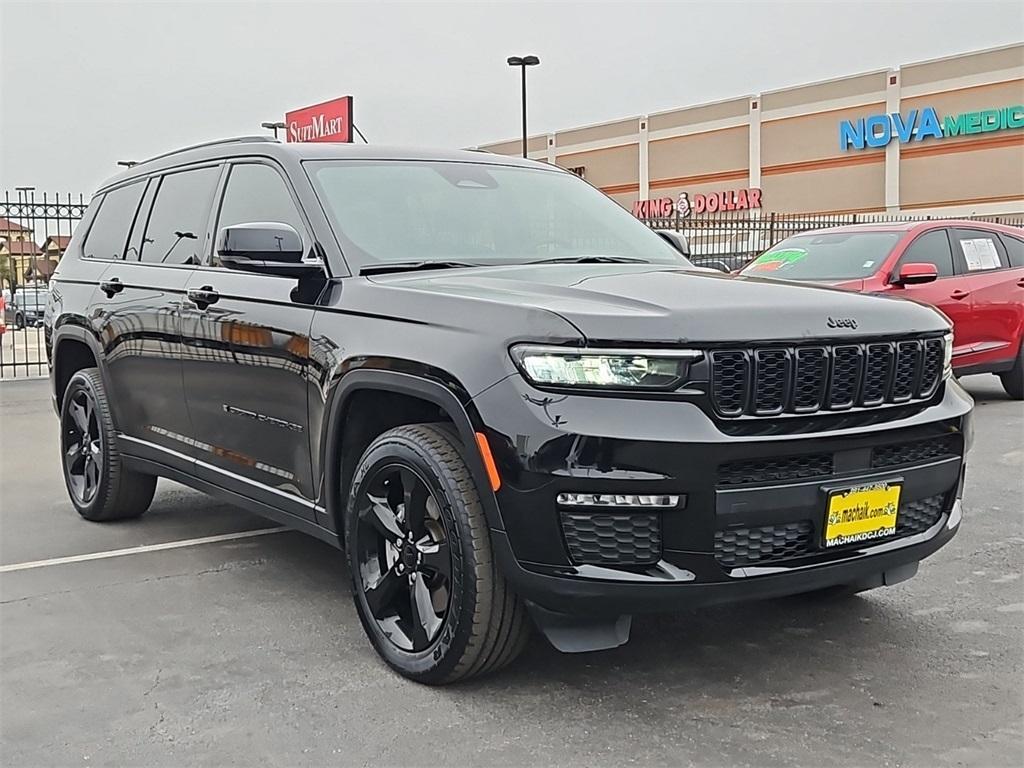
{"x":269,"y":147}
{"x":907,"y":226}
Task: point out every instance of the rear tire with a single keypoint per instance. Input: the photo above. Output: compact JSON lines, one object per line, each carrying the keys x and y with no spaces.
{"x":1013,"y":379}
{"x":99,"y":485}
{"x":19,"y":321}
{"x":482,"y":624}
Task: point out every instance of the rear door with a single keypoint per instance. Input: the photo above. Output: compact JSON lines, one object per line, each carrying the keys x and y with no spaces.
{"x":995,"y":297}
{"x":949,"y":292}
{"x":246,"y":357}
{"x":136,"y":313}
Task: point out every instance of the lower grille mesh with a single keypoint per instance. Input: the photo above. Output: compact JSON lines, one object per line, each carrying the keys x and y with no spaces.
{"x":612,"y":539}
{"x":740,"y":546}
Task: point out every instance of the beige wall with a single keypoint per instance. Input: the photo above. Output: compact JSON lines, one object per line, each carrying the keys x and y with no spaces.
{"x":979,"y":175}
{"x":809,"y":137}
{"x":606,"y":167}
{"x":699,"y":153}
{"x":845,"y":188}
{"x":620,"y":129}
{"x":960,"y":66}
{"x":967,"y":100}
{"x":677,"y":118}
{"x":847,"y":87}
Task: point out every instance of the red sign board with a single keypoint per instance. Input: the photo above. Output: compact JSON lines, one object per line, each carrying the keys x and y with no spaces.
{"x":329,"y":121}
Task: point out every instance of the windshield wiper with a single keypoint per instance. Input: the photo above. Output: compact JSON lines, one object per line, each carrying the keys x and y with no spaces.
{"x":411,"y":266}
{"x":592,"y":260}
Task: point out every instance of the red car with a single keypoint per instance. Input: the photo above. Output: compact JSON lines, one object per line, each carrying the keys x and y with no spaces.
{"x":973,"y":271}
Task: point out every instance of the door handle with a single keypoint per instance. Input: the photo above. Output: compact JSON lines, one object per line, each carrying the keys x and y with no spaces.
{"x":958,"y":294}
{"x":111,"y":286}
{"x":203,"y":297}
{"x":1020,"y":283}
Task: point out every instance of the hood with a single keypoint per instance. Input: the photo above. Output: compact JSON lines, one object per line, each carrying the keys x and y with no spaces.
{"x":646,"y":302}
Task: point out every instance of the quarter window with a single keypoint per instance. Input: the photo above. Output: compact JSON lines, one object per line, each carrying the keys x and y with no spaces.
{"x":1014,"y":249}
{"x":109,"y":232}
{"x":176,"y":231}
{"x":979,"y":251}
{"x":931,"y":248}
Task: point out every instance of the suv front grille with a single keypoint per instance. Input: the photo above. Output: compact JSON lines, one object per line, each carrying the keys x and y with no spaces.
{"x":608,"y":538}
{"x":758,"y":471}
{"x":773,"y":380}
{"x":739,"y":546}
{"x":917,"y":452}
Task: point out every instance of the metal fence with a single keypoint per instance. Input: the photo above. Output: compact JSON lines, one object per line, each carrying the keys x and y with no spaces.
{"x":733,"y":239}
{"x":35,"y":228}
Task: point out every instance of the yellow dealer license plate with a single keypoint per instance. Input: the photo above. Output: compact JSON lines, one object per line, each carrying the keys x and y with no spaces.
{"x":862,"y":513}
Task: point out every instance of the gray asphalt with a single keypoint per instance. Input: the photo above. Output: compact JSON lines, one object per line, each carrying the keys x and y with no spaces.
{"x":249,"y":652}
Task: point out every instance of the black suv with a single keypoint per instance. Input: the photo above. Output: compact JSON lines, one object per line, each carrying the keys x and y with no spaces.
{"x":507,"y":400}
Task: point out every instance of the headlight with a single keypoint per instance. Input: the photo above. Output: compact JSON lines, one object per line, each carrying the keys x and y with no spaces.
{"x":604,"y":368}
{"x":947,"y":355}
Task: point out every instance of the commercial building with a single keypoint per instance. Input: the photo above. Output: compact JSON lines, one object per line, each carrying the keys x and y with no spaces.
{"x":942,"y":137}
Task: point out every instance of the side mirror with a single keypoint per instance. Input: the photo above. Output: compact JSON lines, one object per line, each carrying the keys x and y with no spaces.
{"x":915,"y":273}
{"x":266,"y":248}
{"x":676,"y":239}
{"x":718,"y":266}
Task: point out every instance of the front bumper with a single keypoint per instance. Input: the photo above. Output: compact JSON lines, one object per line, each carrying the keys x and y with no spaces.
{"x":548,"y":444}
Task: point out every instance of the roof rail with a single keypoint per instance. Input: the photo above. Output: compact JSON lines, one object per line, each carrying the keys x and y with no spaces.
{"x":214,"y":143}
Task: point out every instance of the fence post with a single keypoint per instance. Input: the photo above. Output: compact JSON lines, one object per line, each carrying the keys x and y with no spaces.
{"x":771,"y":229}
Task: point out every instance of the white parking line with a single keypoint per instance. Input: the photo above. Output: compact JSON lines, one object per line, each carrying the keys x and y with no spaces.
{"x":139,"y":550}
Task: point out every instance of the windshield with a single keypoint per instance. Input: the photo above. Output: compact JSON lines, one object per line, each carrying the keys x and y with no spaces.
{"x":825,"y":256}
{"x":400,"y":211}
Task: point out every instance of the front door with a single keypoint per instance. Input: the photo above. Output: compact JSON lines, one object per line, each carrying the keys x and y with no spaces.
{"x":949,"y":292}
{"x":246,"y":358}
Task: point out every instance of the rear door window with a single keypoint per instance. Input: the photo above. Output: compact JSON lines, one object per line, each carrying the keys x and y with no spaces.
{"x":930,"y":248}
{"x":176,"y":230}
{"x":109,"y":231}
{"x":978,"y":250}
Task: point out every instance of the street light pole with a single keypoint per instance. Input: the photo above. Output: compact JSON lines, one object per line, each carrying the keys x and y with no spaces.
{"x":523,"y":62}
{"x":271,"y":126}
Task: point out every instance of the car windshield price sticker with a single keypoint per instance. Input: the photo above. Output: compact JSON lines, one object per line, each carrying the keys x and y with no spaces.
{"x":980,"y":253}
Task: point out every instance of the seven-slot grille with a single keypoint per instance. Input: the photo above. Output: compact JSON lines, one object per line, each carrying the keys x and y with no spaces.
{"x":773,"y":380}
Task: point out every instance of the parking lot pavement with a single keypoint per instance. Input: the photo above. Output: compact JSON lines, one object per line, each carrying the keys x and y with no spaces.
{"x":249,"y":651}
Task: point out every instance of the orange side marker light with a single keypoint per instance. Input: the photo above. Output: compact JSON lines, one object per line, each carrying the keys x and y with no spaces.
{"x":485,"y":454}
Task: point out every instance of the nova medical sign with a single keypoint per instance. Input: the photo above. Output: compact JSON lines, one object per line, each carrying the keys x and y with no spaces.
{"x":918,"y":125}
{"x":329,"y":121}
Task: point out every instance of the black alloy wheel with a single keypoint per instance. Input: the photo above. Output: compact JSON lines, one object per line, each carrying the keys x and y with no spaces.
{"x":428,"y":591}
{"x":100,"y":485}
{"x":403,"y":557}
{"x":82,"y":447}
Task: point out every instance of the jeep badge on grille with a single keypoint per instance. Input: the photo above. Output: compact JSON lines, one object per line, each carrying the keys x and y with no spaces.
{"x":841,"y":322}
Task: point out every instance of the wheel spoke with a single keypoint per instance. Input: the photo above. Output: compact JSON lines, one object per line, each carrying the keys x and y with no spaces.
{"x":71,"y":455}
{"x":380,"y":594}
{"x":89,"y":416}
{"x":414,"y":499}
{"x":79,"y":416}
{"x":92,"y":476}
{"x":435,"y":559}
{"x":425,"y":622}
{"x":380,"y":515}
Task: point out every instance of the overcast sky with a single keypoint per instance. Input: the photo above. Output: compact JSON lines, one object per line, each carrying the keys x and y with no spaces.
{"x":84,"y":85}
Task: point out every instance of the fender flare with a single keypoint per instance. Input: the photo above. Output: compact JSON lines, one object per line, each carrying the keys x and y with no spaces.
{"x":69,"y":330}
{"x":461,"y":412}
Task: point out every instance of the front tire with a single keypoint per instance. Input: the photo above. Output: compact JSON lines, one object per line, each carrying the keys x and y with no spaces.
{"x":99,"y":485}
{"x":1013,"y":379}
{"x":427,"y":589}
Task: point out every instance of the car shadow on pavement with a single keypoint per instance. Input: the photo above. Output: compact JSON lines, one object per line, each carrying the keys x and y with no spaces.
{"x":776,"y":644}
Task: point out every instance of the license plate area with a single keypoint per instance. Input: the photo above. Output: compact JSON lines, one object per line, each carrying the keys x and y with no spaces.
{"x":861,"y":513}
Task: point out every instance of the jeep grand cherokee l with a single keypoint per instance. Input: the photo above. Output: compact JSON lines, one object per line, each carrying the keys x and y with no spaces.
{"x":508,"y":401}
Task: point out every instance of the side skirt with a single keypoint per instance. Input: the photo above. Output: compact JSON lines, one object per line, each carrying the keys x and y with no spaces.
{"x":151,"y":467}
